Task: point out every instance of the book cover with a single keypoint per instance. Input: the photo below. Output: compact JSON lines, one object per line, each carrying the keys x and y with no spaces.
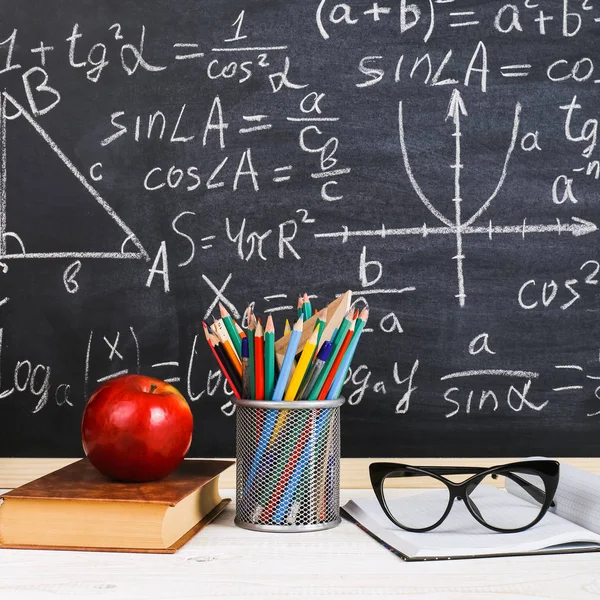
{"x":77,"y":507}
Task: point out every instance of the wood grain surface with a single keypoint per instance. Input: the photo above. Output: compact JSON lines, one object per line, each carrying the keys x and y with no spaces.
{"x":354,"y":471}
{"x":224,"y":561}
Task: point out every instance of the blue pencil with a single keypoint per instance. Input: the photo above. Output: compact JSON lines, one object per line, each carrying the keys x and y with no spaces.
{"x":288,"y":360}
{"x":288,"y":494}
{"x":338,"y":381}
{"x":271,"y":419}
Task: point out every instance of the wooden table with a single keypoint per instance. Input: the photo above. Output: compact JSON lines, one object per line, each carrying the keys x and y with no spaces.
{"x":224,"y":561}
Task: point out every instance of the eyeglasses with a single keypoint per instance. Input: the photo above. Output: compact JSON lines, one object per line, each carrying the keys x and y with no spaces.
{"x":533,"y":480}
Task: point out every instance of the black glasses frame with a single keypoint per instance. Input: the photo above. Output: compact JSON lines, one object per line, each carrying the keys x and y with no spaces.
{"x":547,"y":470}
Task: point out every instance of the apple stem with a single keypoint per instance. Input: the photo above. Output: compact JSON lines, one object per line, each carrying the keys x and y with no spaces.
{"x":153,"y":387}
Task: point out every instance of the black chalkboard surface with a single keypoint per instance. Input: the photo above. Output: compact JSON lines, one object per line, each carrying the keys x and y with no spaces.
{"x":440,"y":158}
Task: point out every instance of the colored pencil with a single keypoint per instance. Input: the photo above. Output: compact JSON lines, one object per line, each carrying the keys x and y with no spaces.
{"x":269,"y":425}
{"x":302,"y":367}
{"x":323,"y":479}
{"x":307,"y":452}
{"x":246,"y":368}
{"x":337,"y":342}
{"x":338,"y":382}
{"x":259,"y":362}
{"x":315,"y":370}
{"x":230,"y":374}
{"x":300,"y":312}
{"x":240,"y":331}
{"x":288,"y":360}
{"x":336,"y":363}
{"x":291,"y":453}
{"x":220,"y":330}
{"x":213,"y":342}
{"x":269,"y":358}
{"x":320,"y":328}
{"x":306,"y":307}
{"x":288,"y":328}
{"x":321,"y":323}
{"x":251,"y":320}
{"x":231,"y":330}
{"x":227,"y":346}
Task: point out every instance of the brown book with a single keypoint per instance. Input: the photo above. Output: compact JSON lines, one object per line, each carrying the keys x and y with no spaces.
{"x":77,"y":508}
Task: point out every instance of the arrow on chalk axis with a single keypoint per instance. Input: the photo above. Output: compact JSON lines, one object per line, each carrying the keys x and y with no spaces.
{"x":458,"y":226}
{"x":457,"y":108}
{"x":578,"y":227}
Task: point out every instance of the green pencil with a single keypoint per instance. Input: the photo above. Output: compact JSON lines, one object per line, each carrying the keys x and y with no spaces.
{"x":231,"y":330}
{"x":269,"y":358}
{"x":306,"y":307}
{"x":321,"y":322}
{"x":250,"y":336}
{"x":339,"y":340}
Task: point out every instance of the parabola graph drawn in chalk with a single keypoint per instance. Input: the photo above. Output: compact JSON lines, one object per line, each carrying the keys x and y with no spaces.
{"x":458,"y":227}
{"x":131,"y":238}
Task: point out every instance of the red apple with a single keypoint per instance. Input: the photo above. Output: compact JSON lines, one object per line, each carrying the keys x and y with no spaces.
{"x":136,"y":428}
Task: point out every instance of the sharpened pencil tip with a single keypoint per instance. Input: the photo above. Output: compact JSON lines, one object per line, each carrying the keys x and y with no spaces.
{"x":270,"y":327}
{"x":258,"y":332}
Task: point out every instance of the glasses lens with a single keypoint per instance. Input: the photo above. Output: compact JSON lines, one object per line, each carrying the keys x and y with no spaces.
{"x":516,"y":504}
{"x":430,"y":510}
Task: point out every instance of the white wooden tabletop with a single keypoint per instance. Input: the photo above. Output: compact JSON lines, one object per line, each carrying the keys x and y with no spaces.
{"x":224,"y":561}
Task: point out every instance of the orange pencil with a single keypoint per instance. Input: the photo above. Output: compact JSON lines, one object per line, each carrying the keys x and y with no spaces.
{"x":240,"y":331}
{"x":211,"y":339}
{"x":229,"y":349}
{"x":336,"y":363}
{"x":259,"y":361}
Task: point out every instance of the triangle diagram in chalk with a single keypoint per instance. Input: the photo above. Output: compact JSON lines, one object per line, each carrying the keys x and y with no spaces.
{"x":48,"y":207}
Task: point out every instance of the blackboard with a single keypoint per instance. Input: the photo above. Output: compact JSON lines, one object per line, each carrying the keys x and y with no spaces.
{"x":437,"y":157}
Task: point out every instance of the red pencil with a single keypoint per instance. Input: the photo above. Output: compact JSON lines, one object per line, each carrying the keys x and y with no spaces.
{"x":209,"y":339}
{"x":259,"y":361}
{"x":287,"y":473}
{"x":336,"y":363}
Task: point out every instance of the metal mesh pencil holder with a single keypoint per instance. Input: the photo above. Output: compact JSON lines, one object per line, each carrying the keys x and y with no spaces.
{"x":288,"y":465}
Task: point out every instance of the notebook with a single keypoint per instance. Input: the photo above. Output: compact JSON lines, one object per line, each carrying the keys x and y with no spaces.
{"x":572,"y":526}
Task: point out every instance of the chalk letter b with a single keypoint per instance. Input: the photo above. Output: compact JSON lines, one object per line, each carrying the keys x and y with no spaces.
{"x":364,"y":265}
{"x":41,"y":87}
{"x":413,"y":10}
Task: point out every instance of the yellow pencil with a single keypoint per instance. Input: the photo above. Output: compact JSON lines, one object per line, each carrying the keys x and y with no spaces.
{"x":302,"y":366}
{"x":288,"y":328}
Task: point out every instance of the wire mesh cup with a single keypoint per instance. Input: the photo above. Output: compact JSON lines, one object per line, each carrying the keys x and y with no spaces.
{"x":288,"y":465}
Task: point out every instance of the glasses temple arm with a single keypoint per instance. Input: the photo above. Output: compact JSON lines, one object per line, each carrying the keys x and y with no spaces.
{"x":537,"y":494}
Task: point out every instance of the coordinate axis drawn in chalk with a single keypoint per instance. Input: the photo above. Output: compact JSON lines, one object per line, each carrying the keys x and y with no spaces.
{"x":5,"y":234}
{"x":458,"y":226}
